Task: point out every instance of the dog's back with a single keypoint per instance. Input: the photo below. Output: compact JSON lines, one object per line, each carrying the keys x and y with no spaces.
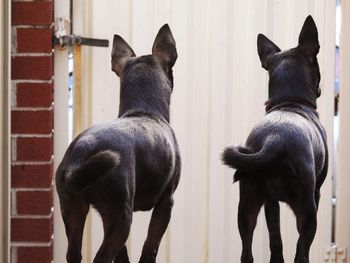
{"x":146,"y":143}
{"x":291,"y":142}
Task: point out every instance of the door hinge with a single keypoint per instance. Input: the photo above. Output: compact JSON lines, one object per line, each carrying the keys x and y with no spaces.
{"x":64,"y":38}
{"x":335,"y":254}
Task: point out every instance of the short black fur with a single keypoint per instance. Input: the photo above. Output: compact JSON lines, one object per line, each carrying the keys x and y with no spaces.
{"x":129,"y":164}
{"x":285,"y":157}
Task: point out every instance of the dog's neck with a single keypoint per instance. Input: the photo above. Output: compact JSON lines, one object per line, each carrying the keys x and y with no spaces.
{"x":143,"y":107}
{"x":290,"y":83}
{"x":144,"y":96}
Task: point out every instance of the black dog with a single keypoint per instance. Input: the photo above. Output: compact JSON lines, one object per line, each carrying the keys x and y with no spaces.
{"x":285,"y":157}
{"x":129,"y":164}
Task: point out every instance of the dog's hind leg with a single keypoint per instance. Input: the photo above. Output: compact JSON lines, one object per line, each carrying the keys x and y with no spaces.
{"x":317,"y":197}
{"x":116,"y":224}
{"x":272,"y":214}
{"x":305,"y":212}
{"x":248,"y":211}
{"x":74,"y":213}
{"x":159,"y":221}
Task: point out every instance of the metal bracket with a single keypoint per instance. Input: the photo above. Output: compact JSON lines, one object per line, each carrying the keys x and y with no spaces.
{"x":335,"y":254}
{"x":64,"y":38}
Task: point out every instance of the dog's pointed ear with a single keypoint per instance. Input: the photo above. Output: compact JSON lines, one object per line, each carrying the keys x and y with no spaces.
{"x":121,"y":52}
{"x":308,"y":38}
{"x":164,"y":47}
{"x":266,"y":49}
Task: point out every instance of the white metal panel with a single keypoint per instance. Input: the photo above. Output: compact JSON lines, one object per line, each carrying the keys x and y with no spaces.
{"x":219,"y":94}
{"x":343,"y":164}
{"x":2,"y":124}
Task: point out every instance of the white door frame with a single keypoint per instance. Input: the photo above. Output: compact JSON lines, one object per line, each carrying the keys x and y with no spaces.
{"x":60,"y":129}
{"x":5,"y":129}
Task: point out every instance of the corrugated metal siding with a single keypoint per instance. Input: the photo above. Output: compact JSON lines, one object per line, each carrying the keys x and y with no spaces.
{"x":343,"y":164}
{"x":219,"y":94}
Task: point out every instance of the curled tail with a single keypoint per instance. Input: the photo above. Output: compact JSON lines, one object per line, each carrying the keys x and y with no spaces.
{"x":244,"y":160}
{"x":92,"y":169}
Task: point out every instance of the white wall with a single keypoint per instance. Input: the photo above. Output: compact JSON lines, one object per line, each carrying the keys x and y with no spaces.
{"x":219,"y":94}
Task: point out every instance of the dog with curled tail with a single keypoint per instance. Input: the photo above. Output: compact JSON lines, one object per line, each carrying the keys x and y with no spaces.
{"x":285,"y":156}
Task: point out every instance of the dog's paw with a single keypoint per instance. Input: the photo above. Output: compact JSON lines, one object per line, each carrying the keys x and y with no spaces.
{"x":122,"y":256}
{"x":148,"y":258}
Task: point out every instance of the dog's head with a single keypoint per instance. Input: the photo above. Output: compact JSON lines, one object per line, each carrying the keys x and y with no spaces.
{"x":294,"y":73}
{"x":146,"y":81}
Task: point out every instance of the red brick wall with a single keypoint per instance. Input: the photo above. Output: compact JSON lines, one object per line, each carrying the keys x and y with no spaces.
{"x":31,"y":132}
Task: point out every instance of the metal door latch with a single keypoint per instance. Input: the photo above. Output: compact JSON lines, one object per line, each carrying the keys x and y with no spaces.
{"x":335,"y":254}
{"x":63,"y":37}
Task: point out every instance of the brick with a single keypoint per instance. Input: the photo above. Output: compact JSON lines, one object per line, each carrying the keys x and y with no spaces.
{"x":32,"y":13}
{"x":34,"y":202}
{"x":35,"y":37}
{"x":31,"y":229}
{"x":31,"y":68}
{"x":34,"y":94}
{"x":31,"y":176}
{"x":34,"y":254}
{"x":37,"y":40}
{"x":31,"y":122}
{"x":34,"y":149}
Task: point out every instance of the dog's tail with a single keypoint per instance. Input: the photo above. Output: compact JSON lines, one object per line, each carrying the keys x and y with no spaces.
{"x":245,"y":160}
{"x":92,"y":169}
